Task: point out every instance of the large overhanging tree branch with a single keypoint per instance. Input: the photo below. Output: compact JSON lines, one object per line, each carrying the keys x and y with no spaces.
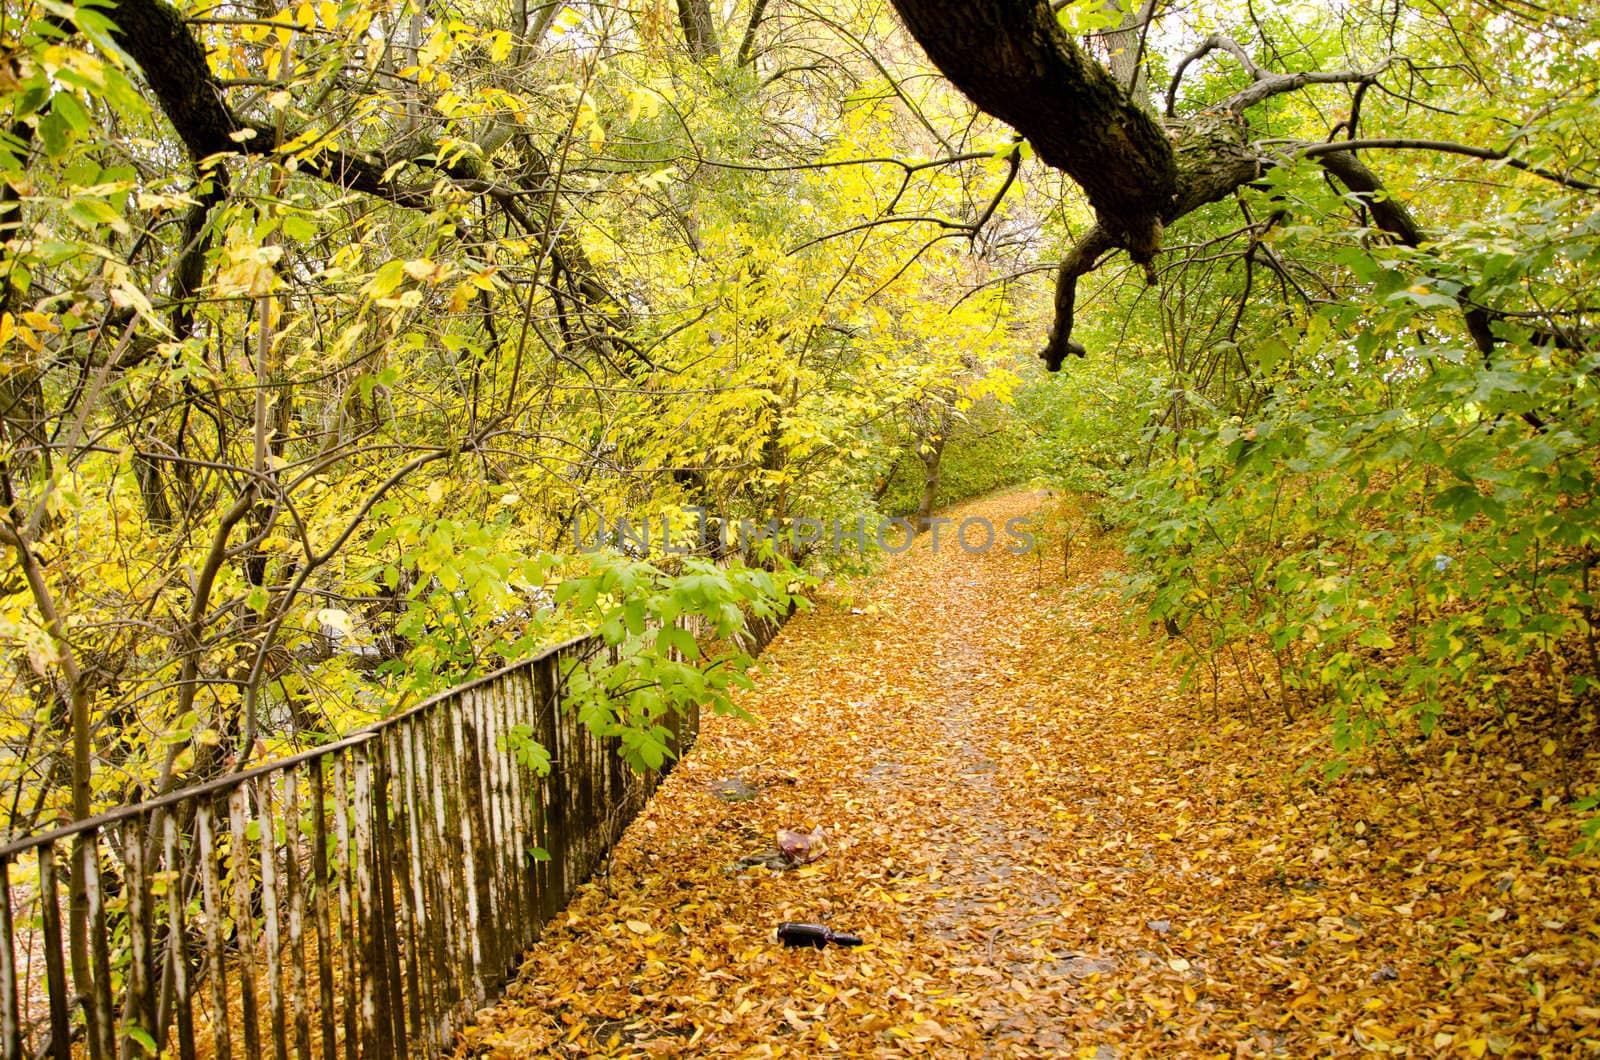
{"x":1013,"y":59}
{"x":156,"y":37}
{"x":173,"y":63}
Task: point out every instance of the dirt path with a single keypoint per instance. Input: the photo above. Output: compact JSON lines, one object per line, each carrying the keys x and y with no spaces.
{"x":1050,"y":852}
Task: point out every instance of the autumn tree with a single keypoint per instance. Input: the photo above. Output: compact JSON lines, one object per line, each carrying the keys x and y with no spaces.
{"x":327,"y":326}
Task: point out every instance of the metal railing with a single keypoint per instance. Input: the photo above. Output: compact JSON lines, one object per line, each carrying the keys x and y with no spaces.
{"x":360,"y":899}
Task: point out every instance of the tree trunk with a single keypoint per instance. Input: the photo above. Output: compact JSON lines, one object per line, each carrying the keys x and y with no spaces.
{"x":930,"y":484}
{"x":1124,"y":48}
{"x":747,"y":48}
{"x":699,"y":31}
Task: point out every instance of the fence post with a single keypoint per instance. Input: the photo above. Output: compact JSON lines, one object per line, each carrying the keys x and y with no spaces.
{"x":55,"y":973}
{"x":10,"y":1015}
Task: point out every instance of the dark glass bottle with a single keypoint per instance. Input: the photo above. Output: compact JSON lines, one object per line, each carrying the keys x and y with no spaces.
{"x":818,"y":935}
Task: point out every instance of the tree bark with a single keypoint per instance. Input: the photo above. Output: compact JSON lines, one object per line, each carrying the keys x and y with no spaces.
{"x":699,"y":31}
{"x":1013,"y":59}
{"x":747,"y":47}
{"x":174,"y":64}
{"x":931,"y":455}
{"x":1125,"y":47}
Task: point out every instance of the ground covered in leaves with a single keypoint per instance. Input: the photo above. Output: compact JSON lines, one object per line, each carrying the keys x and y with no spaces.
{"x":1052,"y":851}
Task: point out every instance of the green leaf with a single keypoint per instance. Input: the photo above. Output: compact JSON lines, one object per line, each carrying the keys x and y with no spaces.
{"x":67,"y":106}
{"x":54,"y":133}
{"x":384,"y":282}
{"x":141,"y":1036}
{"x":674,"y":638}
{"x":299,"y":227}
{"x":92,"y":214}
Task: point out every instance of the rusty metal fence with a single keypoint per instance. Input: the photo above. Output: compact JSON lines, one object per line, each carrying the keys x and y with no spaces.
{"x":359,"y":900}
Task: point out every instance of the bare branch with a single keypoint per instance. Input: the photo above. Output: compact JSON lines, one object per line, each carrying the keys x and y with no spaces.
{"x":1389,"y":213}
{"x":1215,"y":42}
{"x":1445,"y":147}
{"x":1264,"y":83}
{"x":1082,"y":259}
{"x":1276,"y":84}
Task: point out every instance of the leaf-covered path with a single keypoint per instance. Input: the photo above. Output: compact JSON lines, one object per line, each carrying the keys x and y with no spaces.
{"x":1051,"y":851}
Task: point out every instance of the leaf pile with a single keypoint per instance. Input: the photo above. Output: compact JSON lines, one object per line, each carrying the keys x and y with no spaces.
{"x":1051,"y":851}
